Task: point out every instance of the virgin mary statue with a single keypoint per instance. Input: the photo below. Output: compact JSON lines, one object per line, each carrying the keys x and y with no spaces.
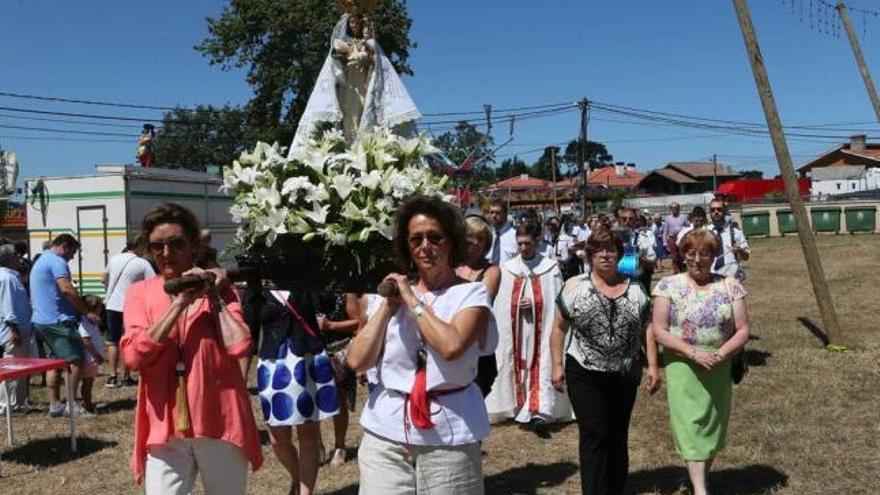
{"x":358,"y":89}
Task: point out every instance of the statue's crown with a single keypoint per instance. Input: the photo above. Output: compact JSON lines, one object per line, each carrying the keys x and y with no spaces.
{"x":360,"y":7}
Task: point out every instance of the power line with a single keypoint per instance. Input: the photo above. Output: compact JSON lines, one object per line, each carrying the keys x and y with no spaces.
{"x":65,"y":131}
{"x":68,"y":121}
{"x":83,"y":102}
{"x":65,"y":139}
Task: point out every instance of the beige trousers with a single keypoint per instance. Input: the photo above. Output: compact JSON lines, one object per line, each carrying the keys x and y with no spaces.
{"x":387,"y":469}
{"x":172,"y":468}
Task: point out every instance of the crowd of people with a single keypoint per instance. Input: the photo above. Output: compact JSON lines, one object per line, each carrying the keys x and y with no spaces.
{"x":535,"y":321}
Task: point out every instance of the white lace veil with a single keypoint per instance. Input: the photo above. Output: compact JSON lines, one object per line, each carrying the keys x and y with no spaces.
{"x":387,"y":103}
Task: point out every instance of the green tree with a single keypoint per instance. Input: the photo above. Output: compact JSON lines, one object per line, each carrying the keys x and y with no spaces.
{"x":511,"y":167}
{"x":282,"y":44}
{"x":193,"y":139}
{"x":542,"y":168}
{"x":752,"y":174}
{"x":461,"y":142}
{"x":595,"y":153}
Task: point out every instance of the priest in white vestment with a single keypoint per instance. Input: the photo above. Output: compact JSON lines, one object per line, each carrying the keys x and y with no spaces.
{"x":524,"y":310}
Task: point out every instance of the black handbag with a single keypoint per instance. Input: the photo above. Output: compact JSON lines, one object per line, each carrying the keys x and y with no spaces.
{"x":739,"y":367}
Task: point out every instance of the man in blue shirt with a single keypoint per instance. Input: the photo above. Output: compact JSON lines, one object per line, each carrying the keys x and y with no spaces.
{"x":57,"y":307}
{"x":15,"y":324}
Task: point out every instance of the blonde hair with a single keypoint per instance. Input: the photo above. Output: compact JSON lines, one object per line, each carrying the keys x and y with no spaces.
{"x":477,"y":226}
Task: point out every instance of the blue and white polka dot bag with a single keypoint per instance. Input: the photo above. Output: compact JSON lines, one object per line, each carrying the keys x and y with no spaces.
{"x":298,"y":386}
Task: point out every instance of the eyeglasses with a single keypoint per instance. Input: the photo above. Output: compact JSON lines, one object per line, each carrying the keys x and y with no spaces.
{"x":699,"y":255}
{"x":416,"y":240}
{"x":716,"y":209}
{"x":174,"y":244}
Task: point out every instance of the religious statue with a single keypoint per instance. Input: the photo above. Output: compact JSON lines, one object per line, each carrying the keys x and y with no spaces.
{"x":145,"y":155}
{"x":358,"y":89}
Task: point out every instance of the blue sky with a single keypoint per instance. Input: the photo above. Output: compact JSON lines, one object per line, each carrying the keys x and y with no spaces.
{"x":675,"y":56}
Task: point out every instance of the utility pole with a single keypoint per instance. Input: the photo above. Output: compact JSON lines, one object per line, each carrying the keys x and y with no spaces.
{"x":783,"y":157}
{"x":553,"y":174}
{"x":714,"y":173}
{"x":860,"y":59}
{"x":584,"y":105}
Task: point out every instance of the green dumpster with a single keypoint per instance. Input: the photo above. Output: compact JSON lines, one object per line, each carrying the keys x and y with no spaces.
{"x":786,"y":222}
{"x":756,"y":223}
{"x":825,"y":219}
{"x":861,"y":218}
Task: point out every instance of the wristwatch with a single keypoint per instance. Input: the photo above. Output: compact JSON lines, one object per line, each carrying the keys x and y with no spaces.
{"x":417,"y":310}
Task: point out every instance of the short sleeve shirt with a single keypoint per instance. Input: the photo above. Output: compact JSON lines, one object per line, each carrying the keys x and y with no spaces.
{"x":50,"y":305}
{"x":701,"y":316}
{"x":606,"y":333}
{"x":460,"y":417}
{"x":123,"y":270}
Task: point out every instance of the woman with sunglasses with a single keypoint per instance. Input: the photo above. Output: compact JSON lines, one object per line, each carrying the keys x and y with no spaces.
{"x":193,"y":415}
{"x":701,"y":321}
{"x":525,"y":310}
{"x":425,"y":417}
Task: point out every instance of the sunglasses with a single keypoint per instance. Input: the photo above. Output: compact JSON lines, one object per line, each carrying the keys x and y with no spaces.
{"x":716,"y":209}
{"x":416,"y":240}
{"x":174,"y":244}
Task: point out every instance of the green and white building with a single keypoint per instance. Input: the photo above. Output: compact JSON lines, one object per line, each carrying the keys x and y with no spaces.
{"x":105,"y":209}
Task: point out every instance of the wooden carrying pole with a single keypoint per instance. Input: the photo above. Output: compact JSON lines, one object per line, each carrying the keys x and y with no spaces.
{"x":860,"y":59}
{"x":553,"y":174}
{"x":783,"y":157}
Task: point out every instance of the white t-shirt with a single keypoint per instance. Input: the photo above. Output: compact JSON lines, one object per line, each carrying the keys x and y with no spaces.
{"x":90,"y":330}
{"x":460,"y":417}
{"x":123,"y":270}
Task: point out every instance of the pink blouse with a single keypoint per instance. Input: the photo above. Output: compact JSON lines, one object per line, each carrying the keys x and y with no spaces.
{"x":218,"y":401}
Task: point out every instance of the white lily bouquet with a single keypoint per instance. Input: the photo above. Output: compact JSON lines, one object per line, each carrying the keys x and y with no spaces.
{"x":326,"y":211}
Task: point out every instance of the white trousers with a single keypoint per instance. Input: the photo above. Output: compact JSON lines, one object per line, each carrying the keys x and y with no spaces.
{"x":18,"y":389}
{"x":172,"y":468}
{"x":387,"y":469}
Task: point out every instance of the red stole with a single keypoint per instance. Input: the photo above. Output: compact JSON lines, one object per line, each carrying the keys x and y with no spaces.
{"x":519,"y":364}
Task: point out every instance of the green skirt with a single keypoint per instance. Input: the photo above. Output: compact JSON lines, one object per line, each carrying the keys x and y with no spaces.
{"x":699,"y":407}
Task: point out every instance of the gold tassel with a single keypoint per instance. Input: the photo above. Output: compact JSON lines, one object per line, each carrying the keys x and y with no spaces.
{"x":181,"y":419}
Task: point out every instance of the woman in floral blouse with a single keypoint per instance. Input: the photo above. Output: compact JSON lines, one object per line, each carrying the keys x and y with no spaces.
{"x":701,"y":321}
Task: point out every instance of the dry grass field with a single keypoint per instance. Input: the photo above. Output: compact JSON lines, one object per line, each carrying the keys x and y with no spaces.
{"x":805,"y":421}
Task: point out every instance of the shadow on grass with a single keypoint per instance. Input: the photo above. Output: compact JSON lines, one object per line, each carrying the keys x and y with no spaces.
{"x":118,"y":405}
{"x":756,"y":479}
{"x":526,"y":480}
{"x":815,"y":330}
{"x":50,"y":452}
{"x":757,"y":357}
{"x":523,"y":480}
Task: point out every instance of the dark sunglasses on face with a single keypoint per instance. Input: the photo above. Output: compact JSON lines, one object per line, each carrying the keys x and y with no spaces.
{"x":416,"y":240}
{"x":174,"y":244}
{"x":716,"y":209}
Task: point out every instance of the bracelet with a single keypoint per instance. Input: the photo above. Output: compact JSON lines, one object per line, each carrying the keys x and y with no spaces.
{"x":693,"y":353}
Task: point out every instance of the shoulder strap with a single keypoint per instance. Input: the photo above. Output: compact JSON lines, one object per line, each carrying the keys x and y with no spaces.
{"x":118,"y":276}
{"x":302,"y":321}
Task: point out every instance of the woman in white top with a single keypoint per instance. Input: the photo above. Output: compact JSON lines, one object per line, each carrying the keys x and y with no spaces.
{"x":425,"y":417}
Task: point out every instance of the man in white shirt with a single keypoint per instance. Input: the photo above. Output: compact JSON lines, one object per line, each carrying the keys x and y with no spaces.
{"x":15,"y":325}
{"x":734,"y":246}
{"x":503,"y":234}
{"x":559,"y":246}
{"x":581,"y":232}
{"x":122,"y":270}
